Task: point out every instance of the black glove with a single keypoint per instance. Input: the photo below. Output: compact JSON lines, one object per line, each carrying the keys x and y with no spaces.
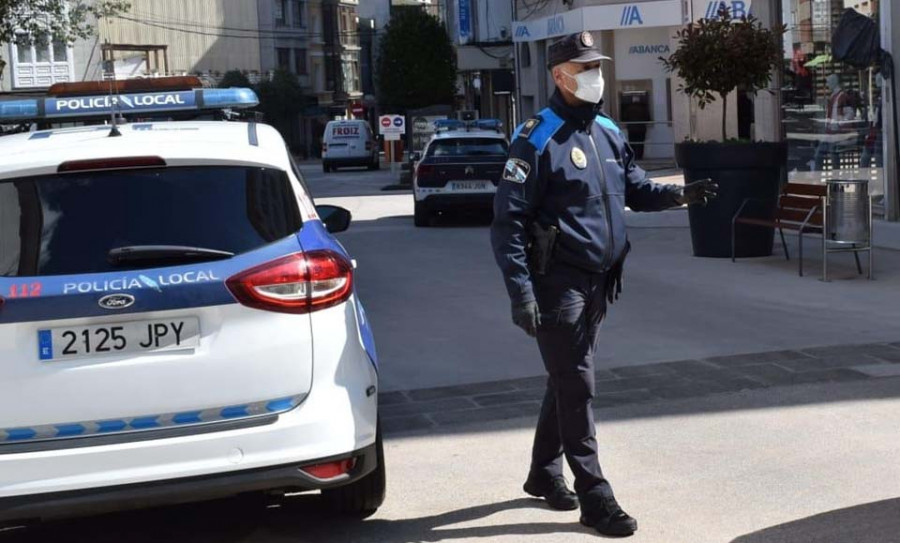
{"x":527,"y":317}
{"x":699,"y":192}
{"x":614,"y":278}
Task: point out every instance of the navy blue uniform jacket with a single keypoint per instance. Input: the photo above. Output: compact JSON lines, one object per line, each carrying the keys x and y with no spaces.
{"x":569,"y":167}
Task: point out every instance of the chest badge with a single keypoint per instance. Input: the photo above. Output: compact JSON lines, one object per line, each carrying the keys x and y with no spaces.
{"x":578,"y":158}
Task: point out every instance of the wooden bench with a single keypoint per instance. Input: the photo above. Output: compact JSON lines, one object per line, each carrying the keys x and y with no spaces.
{"x":800,"y":208}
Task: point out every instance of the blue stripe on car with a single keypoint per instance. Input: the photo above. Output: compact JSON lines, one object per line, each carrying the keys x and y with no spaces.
{"x":149,"y":423}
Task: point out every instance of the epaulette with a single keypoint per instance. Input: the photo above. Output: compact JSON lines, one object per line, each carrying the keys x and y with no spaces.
{"x":529,"y":127}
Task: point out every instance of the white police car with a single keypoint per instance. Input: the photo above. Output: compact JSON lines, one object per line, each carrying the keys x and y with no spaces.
{"x":459,"y":168}
{"x":176,"y":321}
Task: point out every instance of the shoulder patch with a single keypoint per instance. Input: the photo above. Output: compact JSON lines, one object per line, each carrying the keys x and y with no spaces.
{"x":516,"y":171}
{"x":544,"y":131}
{"x":528,"y":127}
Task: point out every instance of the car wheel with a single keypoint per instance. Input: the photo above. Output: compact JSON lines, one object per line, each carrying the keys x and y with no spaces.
{"x":364,"y":497}
{"x":374,"y":165}
{"x":325,"y":167}
{"x":421,"y":215}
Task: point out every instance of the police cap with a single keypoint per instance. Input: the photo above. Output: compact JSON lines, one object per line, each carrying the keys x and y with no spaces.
{"x":574,"y":48}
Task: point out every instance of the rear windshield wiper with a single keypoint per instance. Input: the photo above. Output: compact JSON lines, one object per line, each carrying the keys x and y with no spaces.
{"x":163,"y":254}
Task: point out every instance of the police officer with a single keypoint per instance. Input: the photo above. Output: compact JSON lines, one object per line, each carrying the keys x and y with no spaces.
{"x":559,"y":238}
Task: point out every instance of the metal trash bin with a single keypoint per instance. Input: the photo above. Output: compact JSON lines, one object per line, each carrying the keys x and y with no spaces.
{"x":848,"y":221}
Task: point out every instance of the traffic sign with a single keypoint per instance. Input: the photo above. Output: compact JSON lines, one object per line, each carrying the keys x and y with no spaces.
{"x":392,"y":126}
{"x":357,"y":109}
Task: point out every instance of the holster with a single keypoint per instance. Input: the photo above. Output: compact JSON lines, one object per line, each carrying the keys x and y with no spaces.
{"x":614,"y":278}
{"x":539,"y":249}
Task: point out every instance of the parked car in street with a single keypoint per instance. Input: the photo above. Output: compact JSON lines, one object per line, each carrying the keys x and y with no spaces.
{"x":177,"y":322}
{"x":459,"y":168}
{"x":349,"y":143}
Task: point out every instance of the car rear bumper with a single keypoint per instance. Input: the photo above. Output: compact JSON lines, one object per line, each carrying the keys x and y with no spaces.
{"x":351,"y":161}
{"x":338,"y":416}
{"x":289,"y":477}
{"x":451,"y":200}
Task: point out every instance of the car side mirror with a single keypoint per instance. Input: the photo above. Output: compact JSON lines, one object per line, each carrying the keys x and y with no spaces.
{"x":417,"y":156}
{"x":336,"y":219}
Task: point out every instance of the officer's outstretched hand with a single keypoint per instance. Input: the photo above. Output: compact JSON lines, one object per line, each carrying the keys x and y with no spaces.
{"x":527,"y":317}
{"x":699,"y":192}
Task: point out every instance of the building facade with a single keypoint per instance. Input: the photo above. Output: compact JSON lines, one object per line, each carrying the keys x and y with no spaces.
{"x":482,"y":33}
{"x":851,"y":139}
{"x":204,"y":37}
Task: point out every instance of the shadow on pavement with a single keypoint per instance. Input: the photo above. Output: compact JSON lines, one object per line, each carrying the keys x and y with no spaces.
{"x":875,"y":522}
{"x":296,"y":518}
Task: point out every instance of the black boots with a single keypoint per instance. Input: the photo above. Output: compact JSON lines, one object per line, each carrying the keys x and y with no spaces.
{"x":608,"y":518}
{"x":556,"y":493}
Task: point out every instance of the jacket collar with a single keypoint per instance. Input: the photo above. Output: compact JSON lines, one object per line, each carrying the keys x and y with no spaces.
{"x":581,"y":116}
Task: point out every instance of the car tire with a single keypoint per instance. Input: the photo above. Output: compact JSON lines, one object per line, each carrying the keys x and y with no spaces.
{"x":326,"y":167}
{"x":375,"y":165}
{"x":362,"y":498}
{"x":421,"y":215}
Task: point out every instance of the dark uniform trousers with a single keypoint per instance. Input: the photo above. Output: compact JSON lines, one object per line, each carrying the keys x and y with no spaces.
{"x":572,"y":303}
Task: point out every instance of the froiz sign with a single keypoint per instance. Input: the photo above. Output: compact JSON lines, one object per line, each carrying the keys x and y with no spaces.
{"x":123,"y":102}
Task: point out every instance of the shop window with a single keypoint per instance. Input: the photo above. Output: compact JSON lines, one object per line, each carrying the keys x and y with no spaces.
{"x":832,"y":113}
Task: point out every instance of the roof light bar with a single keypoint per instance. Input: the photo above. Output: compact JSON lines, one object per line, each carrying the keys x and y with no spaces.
{"x":150,"y":84}
{"x":131,"y":103}
{"x":19,"y":109}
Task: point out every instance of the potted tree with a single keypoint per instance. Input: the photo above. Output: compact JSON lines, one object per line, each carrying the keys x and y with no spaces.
{"x":715,"y":57}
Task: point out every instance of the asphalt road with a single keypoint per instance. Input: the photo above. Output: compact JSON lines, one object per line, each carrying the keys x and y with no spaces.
{"x":441,"y":314}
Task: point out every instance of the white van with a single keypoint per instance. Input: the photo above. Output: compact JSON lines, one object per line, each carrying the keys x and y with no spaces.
{"x":349,"y":143}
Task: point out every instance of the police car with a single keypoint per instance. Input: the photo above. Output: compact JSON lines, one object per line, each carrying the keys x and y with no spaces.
{"x":176,"y":321}
{"x":460,"y":167}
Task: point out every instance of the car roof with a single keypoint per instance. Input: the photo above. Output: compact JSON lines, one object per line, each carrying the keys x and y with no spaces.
{"x":177,"y":142}
{"x":469,"y":134}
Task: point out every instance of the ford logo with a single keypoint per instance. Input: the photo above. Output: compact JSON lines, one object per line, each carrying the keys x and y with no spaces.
{"x":116,"y":301}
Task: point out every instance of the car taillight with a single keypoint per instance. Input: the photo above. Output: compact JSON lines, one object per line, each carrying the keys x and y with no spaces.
{"x":324,"y":147}
{"x":297,"y":283}
{"x":424,"y":170}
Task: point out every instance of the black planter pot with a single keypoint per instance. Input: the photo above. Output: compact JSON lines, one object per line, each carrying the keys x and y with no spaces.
{"x":751,"y":170}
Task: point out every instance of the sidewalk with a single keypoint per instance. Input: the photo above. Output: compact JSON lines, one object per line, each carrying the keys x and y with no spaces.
{"x":435,"y":409}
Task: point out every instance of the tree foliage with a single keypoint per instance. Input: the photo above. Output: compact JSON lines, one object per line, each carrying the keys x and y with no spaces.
{"x":281,"y":100}
{"x":416,"y":63}
{"x":28,"y":21}
{"x":718,"y":56}
{"x":234,"y":78}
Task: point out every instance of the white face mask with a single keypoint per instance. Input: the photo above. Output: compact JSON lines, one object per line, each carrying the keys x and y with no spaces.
{"x":590,"y":85}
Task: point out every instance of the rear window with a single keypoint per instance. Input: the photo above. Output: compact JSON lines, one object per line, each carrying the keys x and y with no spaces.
{"x":67,"y":224}
{"x":467,"y":147}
